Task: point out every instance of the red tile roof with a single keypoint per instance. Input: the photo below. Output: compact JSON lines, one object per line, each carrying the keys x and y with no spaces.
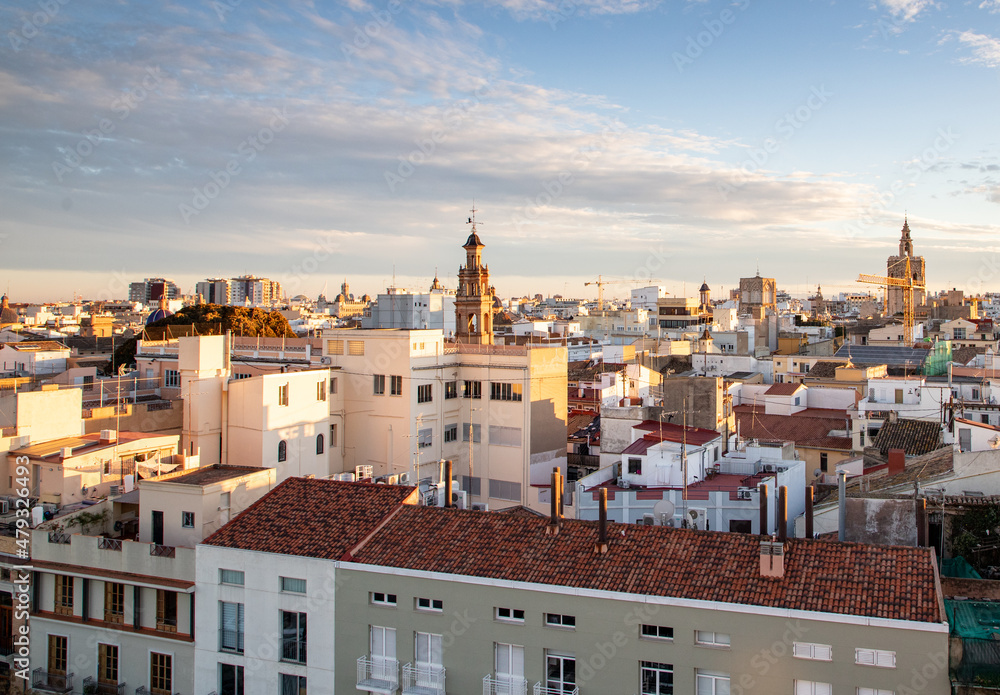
{"x":640,"y":446}
{"x":313,"y":518}
{"x":670,"y":432}
{"x":783,"y":389}
{"x":809,"y":428}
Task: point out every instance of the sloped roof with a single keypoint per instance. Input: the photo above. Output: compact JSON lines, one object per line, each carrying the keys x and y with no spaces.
{"x":810,"y":427}
{"x":824,"y":370}
{"x":670,"y":432}
{"x":783,"y":389}
{"x":915,"y":437}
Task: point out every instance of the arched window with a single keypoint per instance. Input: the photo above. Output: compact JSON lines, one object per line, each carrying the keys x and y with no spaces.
{"x":282,"y":451}
{"x":319,"y":443}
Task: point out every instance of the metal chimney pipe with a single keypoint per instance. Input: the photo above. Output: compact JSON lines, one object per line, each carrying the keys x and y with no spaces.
{"x":447,"y":483}
{"x":842,"y":490}
{"x":557,"y":491}
{"x":602,"y":525}
{"x":921,"y":522}
{"x":763,"y":510}
{"x":554,"y":520}
{"x":782,"y":513}
{"x":809,"y":511}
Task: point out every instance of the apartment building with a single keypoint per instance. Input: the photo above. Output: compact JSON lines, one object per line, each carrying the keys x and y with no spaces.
{"x":408,"y":399}
{"x":34,"y":357}
{"x":370,"y":592}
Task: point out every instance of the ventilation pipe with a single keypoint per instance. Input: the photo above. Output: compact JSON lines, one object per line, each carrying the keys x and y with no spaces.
{"x":602,"y":524}
{"x":763,"y":510}
{"x":842,"y":490}
{"x":782,"y":515}
{"x":447,"y":483}
{"x":809,"y":511}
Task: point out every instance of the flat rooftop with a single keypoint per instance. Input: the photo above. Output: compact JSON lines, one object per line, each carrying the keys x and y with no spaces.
{"x":207,"y":475}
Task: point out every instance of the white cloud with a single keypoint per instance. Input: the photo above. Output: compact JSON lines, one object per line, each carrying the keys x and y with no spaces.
{"x":985,"y":49}
{"x":906,"y":10}
{"x":991,"y":6}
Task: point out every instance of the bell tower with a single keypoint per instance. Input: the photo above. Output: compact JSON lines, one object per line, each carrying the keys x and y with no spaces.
{"x":474,"y":300}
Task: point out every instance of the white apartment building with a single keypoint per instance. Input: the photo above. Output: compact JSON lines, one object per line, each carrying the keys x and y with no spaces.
{"x":401,"y":308}
{"x":909,"y":397}
{"x":34,"y":357}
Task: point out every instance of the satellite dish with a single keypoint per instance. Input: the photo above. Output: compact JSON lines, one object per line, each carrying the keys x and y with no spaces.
{"x":817,"y":472}
{"x":664,"y":508}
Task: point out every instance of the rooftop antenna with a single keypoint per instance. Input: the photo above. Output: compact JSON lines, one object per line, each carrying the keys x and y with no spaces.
{"x":472,"y":220}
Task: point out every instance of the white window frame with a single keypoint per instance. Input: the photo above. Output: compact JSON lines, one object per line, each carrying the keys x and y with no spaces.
{"x":286,"y":584}
{"x":431,"y":605}
{"x":811,"y":650}
{"x":812,"y":688}
{"x":644,"y":631}
{"x":874,"y":691}
{"x":880,"y":658}
{"x":381,"y":598}
{"x":428,"y":650}
{"x":508,"y":662}
{"x":707,"y":638}
{"x":510,"y":617}
{"x":659,"y":669}
{"x":560,"y":620}
{"x":710,"y":678}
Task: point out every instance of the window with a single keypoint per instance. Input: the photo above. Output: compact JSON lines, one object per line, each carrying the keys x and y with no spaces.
{"x":424,"y":393}
{"x":333,"y":385}
{"x":230,"y":679}
{"x":114,"y":602}
{"x":655,"y":678}
{"x":505,"y":436}
{"x":875,"y":691}
{"x":230,"y":627}
{"x":290,"y":585}
{"x":395,"y":386}
{"x":283,"y":394}
{"x":812,"y":688}
{"x":171,"y":378}
{"x":161,"y":676}
{"x":709,"y":683}
{"x":472,"y":485}
{"x":450,"y":390}
{"x":424,"y":437}
{"x":380,"y":599}
{"x":379,"y":384}
{"x":427,"y":650}
{"x":335,"y":347}
{"x":241,"y":375}
{"x":383,"y":647}
{"x":450,"y":433}
{"x":187,"y":519}
{"x":282,"y":451}
{"x":107,"y":664}
{"x":231,"y":577}
{"x":505,"y":490}
{"x":64,"y":595}
{"x":320,"y":448}
{"x":321,"y":390}
{"x":824,"y":462}
{"x":560,"y":672}
{"x":656,"y":632}
{"x":293,"y":637}
{"x":514,"y":615}
{"x":293,"y":685}
{"x":356,"y":348}
{"x":473,"y":389}
{"x":505,"y":392}
{"x":475,"y":430}
{"x":808,"y":650}
{"x":166,"y":610}
{"x":557,"y":620}
{"x":58,"y":655}
{"x":712,"y":639}
{"x":427,"y":604}
{"x":509,"y":663}
{"x":333,"y":435}
{"x":875,"y":657}
{"x":635,"y":466}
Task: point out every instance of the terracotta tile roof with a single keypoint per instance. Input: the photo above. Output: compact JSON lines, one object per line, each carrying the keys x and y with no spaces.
{"x":782,"y":389}
{"x":668,"y":431}
{"x":640,"y":446}
{"x":888,"y":582}
{"x":810,"y":427}
{"x":915,"y":437}
{"x":824,"y":370}
{"x":313,"y":518}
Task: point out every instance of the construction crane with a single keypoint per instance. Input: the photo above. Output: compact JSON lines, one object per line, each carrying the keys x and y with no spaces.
{"x":601,"y":282}
{"x":907,"y":284}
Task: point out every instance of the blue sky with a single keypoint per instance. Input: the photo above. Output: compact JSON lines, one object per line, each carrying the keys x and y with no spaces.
{"x":636,"y":139}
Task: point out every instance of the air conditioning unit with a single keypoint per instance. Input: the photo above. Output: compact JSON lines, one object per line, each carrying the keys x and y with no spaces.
{"x":480,"y":507}
{"x":430,"y":498}
{"x":744,"y":493}
{"x":324,"y":360}
{"x":697,"y":518}
{"x":392,"y":480}
{"x":362,"y":472}
{"x":769,"y":468}
{"x":666,"y":520}
{"x":460,"y":499}
{"x":648,"y":520}
{"x":623,"y":483}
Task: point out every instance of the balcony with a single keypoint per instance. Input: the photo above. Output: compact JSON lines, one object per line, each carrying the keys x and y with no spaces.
{"x":53,"y":682}
{"x":109,"y":544}
{"x":423,"y":680}
{"x":162,"y":550}
{"x":504,"y":685}
{"x":564,"y":690}
{"x":231,"y":641}
{"x":92,"y":687}
{"x":378,"y":675}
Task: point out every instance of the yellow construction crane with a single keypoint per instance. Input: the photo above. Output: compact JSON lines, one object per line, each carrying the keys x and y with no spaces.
{"x":907,"y":284}
{"x":601,"y":282}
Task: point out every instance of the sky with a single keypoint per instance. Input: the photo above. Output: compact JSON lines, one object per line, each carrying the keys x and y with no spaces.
{"x":643,"y":141}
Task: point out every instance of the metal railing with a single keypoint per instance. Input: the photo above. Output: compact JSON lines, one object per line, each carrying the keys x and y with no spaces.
{"x":504,"y":685}
{"x":91,"y":686}
{"x":56,"y":682}
{"x":543,"y":690}
{"x":109,"y":544}
{"x":378,"y":675}
{"x":423,"y":680}
{"x":162,"y":550}
{"x":293,"y":650}
{"x":59,"y":537}
{"x":231,"y":640}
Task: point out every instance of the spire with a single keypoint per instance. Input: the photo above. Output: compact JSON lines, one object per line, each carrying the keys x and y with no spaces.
{"x":905,"y":243}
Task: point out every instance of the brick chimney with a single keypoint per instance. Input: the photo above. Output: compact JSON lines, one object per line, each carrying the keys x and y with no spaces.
{"x":897,"y":461}
{"x":772,"y":559}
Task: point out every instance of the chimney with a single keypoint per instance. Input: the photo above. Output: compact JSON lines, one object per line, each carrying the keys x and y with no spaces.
{"x":809,"y":511}
{"x":897,"y":461}
{"x":772,"y":559}
{"x":763,"y":510}
{"x":782,"y":515}
{"x":602,"y":526}
{"x":560,"y":481}
{"x":553,"y":527}
{"x":447,"y":483}
{"x":842,"y":507}
{"x":921,"y":523}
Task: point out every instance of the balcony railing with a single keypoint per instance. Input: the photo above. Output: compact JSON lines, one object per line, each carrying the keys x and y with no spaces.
{"x":562,"y":690}
{"x":59,"y":537}
{"x":504,"y":685}
{"x":423,"y":680}
{"x":162,"y":550}
{"x":54,"y":682}
{"x":377,"y":675}
{"x":109,"y":544}
{"x":91,"y":686}
{"x":293,"y":650}
{"x":231,"y":641}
